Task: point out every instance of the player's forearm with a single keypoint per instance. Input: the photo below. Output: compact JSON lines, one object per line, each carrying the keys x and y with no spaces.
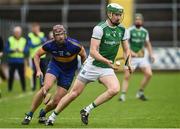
{"x":83,"y":58}
{"x":127,"y":51}
{"x":95,"y":54}
{"x":149,"y":48}
{"x":83,"y":55}
{"x":128,"y":55}
{"x":37,"y":62}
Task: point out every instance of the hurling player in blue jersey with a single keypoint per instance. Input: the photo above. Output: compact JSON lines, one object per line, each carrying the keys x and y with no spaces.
{"x":62,"y":67}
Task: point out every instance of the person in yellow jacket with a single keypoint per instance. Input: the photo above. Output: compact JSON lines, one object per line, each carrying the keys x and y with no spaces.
{"x":16,"y":49}
{"x":35,"y":40}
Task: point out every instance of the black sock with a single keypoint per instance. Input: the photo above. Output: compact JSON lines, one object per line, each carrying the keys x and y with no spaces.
{"x":30,"y":114}
{"x":123,"y":92}
{"x":55,"y":113}
{"x":42,"y":113}
{"x":141,"y":90}
{"x":94,"y":105}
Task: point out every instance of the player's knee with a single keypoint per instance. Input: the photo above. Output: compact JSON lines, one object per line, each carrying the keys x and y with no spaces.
{"x":47,"y":85}
{"x":44,"y":91}
{"x":149,"y":74}
{"x":114,"y":91}
{"x":74,"y":94}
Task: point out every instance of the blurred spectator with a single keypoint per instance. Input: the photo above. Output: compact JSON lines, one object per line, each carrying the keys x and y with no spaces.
{"x":50,"y":36}
{"x":2,"y":75}
{"x":1,"y":44}
{"x":16,"y":49}
{"x":35,"y":39}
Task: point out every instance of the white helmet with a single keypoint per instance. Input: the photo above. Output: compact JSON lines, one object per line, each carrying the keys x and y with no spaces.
{"x":115,"y":8}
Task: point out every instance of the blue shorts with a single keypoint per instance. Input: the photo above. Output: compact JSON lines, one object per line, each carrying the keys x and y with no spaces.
{"x":64,"y":78}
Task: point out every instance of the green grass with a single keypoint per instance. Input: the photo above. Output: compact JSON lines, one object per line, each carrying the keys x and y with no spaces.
{"x":161,"y":111}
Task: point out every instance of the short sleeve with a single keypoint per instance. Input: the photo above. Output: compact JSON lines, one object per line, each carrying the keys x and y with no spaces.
{"x":126,"y":35}
{"x":147,"y":37}
{"x":77,"y":49}
{"x":46,"y":47}
{"x":97,"y":32}
{"x":74,"y":45}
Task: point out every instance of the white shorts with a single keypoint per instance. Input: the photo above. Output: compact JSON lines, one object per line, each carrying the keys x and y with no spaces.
{"x":140,"y":62}
{"x":90,"y":73}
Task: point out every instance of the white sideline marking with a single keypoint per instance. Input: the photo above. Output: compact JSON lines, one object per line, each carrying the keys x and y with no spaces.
{"x":16,"y":97}
{"x":92,"y":128}
{"x":17,"y":118}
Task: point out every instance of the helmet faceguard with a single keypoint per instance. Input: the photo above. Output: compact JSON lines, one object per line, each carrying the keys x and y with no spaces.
{"x":59,"y":34}
{"x":114,"y":8}
{"x":58,"y":29}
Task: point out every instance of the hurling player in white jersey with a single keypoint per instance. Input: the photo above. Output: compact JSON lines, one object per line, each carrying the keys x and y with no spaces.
{"x":139,"y":40}
{"x":105,"y":41}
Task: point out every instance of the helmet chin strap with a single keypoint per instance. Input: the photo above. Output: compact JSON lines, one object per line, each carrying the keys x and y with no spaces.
{"x":115,"y":24}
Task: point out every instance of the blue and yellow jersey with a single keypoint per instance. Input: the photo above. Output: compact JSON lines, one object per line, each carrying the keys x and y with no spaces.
{"x":65,"y":56}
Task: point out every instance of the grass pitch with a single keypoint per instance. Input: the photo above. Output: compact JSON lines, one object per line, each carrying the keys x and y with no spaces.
{"x":161,"y":111}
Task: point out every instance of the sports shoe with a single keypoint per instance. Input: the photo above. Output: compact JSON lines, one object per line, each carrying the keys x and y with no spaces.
{"x":49,"y":122}
{"x":141,"y":97}
{"x":42,"y":117}
{"x":84,"y":116}
{"x":42,"y":120}
{"x":26,"y":120}
{"x":122,"y":98}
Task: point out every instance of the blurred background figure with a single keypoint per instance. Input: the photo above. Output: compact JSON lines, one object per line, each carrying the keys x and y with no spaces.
{"x":35,"y":39}
{"x":50,"y":36}
{"x":139,"y":40}
{"x":16,"y":49}
{"x":2,"y":75}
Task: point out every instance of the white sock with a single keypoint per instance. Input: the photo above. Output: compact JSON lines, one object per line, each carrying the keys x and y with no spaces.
{"x":123,"y":95}
{"x":53,"y":116}
{"x":141,"y":92}
{"x":89,"y":108}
